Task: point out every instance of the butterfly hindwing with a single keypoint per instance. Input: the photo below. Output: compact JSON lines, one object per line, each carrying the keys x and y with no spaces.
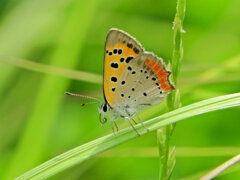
{"x":120,"y":49}
{"x":144,"y":81}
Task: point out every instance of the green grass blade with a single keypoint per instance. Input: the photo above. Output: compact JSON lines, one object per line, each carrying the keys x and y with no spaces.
{"x":90,"y":149}
{"x":182,"y":151}
{"x":221,"y":168}
{"x":49,"y":69}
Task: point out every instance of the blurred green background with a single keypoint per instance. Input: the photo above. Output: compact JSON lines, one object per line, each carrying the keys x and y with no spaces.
{"x":38,"y":122}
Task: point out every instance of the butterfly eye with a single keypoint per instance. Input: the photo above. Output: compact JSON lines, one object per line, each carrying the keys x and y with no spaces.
{"x":104,"y":107}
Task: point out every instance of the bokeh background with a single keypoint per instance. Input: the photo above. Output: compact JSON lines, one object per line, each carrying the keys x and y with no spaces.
{"x":38,"y":121}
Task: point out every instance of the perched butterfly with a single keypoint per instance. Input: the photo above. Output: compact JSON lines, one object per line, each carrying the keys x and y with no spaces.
{"x":133,"y":79}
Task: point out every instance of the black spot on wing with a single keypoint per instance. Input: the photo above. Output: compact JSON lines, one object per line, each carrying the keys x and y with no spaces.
{"x":129,"y":68}
{"x":115,"y":51}
{"x":129,"y":58}
{"x":114,"y":65}
{"x":114,"y":79}
{"x":130,"y":45}
{"x":119,"y":51}
{"x":122,"y":59}
{"x":136,"y":50}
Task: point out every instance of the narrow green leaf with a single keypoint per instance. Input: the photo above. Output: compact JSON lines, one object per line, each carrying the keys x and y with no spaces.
{"x":221,"y":168}
{"x":182,"y":151}
{"x":90,"y":149}
{"x":50,"y":69}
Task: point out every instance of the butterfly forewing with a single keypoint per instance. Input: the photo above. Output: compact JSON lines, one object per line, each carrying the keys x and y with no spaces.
{"x":120,"y":49}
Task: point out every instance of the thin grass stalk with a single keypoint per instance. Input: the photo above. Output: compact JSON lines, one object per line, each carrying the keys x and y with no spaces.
{"x":167,"y":154}
{"x":221,"y":168}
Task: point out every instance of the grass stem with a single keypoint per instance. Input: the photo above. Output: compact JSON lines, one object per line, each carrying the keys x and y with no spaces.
{"x":167,"y":159}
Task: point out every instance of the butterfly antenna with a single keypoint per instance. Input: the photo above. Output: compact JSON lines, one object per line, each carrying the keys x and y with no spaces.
{"x":83,"y":96}
{"x":89,"y":103}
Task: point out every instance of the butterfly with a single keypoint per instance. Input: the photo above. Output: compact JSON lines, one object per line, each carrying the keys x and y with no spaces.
{"x":133,"y":79}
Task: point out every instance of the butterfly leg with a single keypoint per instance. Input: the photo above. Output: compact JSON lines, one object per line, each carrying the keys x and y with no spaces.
{"x":141,"y":122}
{"x":112,"y":128}
{"x":115,"y":124}
{"x":134,"y":121}
{"x":113,"y":120}
{"x":132,"y":126}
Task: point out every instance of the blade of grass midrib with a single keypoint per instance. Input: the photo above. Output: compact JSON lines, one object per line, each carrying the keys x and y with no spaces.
{"x":83,"y":152}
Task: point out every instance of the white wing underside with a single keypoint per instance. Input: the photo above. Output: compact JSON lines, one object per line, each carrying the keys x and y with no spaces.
{"x":141,"y":87}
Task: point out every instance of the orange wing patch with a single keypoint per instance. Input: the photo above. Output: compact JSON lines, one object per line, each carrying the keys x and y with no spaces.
{"x":116,"y":59}
{"x":161,"y":73}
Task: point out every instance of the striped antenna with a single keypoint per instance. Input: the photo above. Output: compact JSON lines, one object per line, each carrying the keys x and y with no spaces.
{"x":85,"y":97}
